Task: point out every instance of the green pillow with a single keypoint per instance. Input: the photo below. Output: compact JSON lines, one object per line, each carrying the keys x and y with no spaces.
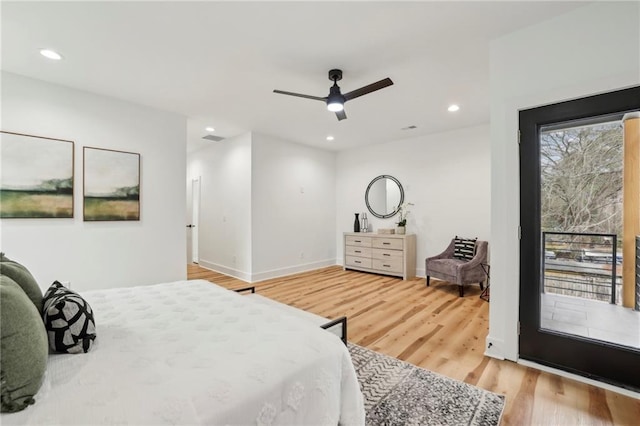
{"x":23,"y":348}
{"x":23,"y":277}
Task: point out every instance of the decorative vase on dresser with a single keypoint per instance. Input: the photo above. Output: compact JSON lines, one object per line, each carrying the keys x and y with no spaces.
{"x":356,"y":223}
{"x":388,"y":254}
{"x":401,"y":230}
{"x":365,"y":223}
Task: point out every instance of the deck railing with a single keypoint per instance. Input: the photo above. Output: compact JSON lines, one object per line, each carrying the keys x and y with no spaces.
{"x":581,"y":265}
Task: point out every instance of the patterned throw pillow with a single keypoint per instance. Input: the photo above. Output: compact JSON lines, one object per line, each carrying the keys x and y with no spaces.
{"x":68,"y":319}
{"x":464,"y":248}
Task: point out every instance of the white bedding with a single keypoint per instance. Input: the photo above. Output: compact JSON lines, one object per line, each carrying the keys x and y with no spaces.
{"x":191,"y":352}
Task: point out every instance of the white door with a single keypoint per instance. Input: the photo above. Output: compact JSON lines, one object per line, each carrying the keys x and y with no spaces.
{"x":195,"y":218}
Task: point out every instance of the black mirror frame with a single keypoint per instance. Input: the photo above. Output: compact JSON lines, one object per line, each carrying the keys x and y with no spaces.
{"x":366,"y":197}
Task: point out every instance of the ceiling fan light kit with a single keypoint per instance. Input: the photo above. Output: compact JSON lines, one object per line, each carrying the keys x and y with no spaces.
{"x":335,"y":106}
{"x":335,"y":100}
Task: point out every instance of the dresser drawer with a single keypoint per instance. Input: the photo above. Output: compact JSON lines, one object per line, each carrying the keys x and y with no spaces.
{"x":361,"y":262}
{"x":357,"y":251}
{"x":358,"y":241}
{"x":385,"y":254}
{"x":388,"y":243}
{"x":389,"y":265}
{"x":380,"y":253}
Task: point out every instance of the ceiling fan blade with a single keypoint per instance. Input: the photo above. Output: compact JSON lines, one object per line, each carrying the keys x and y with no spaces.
{"x":368,"y":89}
{"x":315,"y":98}
{"x":341,"y":115}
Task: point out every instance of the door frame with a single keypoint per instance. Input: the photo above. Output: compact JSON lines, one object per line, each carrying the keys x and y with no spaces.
{"x":195,"y":219}
{"x":586,"y":357}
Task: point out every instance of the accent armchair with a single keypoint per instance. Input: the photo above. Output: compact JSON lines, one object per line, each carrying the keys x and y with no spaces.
{"x":458,"y":271}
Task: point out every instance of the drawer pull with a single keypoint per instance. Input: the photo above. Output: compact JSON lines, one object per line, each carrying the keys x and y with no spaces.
{"x":357,"y":241}
{"x":386,"y":244}
{"x":357,"y":251}
{"x":357,"y":261}
{"x":386,"y":254}
{"x":387,"y":266}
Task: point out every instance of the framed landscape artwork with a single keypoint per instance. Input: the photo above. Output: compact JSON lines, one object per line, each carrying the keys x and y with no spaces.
{"x":111,"y":185}
{"x":36,"y":176}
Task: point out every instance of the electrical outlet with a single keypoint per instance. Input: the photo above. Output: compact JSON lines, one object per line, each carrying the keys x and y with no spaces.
{"x":494,"y":348}
{"x":301,"y":255}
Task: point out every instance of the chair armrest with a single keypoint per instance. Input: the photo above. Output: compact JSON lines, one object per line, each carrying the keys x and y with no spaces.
{"x":476,"y":261}
{"x":479,"y":258}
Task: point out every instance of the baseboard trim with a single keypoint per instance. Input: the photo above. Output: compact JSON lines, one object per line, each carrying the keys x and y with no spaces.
{"x":266,"y":275}
{"x":281,"y":272}
{"x":244,"y":276}
{"x":579,"y":378}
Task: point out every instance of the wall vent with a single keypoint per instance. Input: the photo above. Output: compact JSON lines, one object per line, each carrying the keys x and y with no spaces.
{"x":213,"y":138}
{"x":409,"y":127}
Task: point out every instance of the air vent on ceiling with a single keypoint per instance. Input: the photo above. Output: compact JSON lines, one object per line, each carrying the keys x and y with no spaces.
{"x":213,"y":138}
{"x":409,"y":127}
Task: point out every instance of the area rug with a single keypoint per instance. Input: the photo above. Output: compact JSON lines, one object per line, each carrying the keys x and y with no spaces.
{"x":399,"y":393}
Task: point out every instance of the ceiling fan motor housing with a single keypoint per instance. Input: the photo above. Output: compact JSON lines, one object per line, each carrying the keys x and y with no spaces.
{"x":335,"y":97}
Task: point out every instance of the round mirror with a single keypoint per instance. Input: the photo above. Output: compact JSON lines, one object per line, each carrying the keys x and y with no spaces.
{"x":384,"y":195}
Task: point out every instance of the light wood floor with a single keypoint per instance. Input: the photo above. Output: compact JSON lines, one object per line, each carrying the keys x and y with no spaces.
{"x":437,"y":330}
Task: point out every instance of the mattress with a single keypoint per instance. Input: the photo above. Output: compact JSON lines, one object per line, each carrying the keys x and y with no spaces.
{"x":191,"y":352}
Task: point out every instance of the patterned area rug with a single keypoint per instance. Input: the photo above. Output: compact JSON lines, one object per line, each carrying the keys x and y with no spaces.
{"x":399,"y":393}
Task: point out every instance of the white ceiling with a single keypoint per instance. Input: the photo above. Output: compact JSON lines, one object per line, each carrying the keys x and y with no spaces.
{"x":218,"y":62}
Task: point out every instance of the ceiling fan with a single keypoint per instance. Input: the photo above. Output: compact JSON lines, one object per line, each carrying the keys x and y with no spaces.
{"x":335,"y":100}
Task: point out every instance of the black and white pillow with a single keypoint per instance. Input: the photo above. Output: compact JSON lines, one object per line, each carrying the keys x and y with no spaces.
{"x":68,"y":319}
{"x":464,"y":248}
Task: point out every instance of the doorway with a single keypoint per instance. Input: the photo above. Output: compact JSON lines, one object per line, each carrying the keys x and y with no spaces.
{"x":571,"y":204}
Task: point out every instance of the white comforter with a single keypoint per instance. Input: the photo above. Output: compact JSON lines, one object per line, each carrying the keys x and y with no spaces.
{"x":191,"y":352}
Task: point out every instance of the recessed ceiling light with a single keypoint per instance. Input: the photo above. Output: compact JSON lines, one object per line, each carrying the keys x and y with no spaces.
{"x":453,"y":108}
{"x":330,"y":138}
{"x":209,"y":129}
{"x":51,"y":54}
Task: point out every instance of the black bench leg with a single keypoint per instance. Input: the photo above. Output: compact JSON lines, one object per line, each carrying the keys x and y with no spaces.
{"x":428,"y":278}
{"x":461,"y":288}
{"x":481,"y":286}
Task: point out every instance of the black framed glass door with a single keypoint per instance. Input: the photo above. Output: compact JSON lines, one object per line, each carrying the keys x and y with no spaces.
{"x":571,"y":162}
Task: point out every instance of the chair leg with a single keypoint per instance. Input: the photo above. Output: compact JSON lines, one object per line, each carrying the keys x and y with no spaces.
{"x":481,"y":286}
{"x":428,"y":280}
{"x":461,"y":288}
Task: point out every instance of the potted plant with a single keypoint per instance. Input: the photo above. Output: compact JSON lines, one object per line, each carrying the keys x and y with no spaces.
{"x":403,"y":212}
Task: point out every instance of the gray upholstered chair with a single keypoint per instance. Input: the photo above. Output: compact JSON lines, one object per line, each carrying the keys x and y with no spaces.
{"x":457,"y":271}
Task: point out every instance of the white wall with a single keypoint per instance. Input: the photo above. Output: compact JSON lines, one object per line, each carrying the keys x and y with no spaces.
{"x":293,"y":207}
{"x":101,"y":254}
{"x":446,"y":176}
{"x":225,"y":204}
{"x":591,"y":50}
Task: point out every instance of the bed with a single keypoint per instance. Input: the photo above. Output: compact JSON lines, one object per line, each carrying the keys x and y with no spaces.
{"x":191,"y":352}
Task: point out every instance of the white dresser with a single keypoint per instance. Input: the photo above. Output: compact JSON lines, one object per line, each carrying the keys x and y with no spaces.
{"x":389,"y":254}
